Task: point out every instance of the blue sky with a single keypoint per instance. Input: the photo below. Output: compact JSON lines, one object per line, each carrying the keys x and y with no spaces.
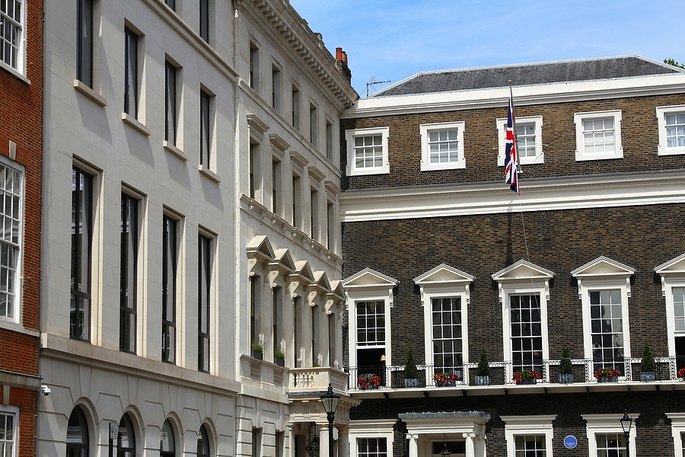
{"x":394,"y":39}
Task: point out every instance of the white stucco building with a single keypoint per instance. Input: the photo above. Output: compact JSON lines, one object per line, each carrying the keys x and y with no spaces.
{"x":190,"y":211}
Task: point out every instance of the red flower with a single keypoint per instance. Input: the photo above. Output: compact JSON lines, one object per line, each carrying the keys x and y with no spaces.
{"x":369,"y":381}
{"x":605,"y":372}
{"x":444,"y":379}
{"x":681,"y":372}
{"x":519,"y":376}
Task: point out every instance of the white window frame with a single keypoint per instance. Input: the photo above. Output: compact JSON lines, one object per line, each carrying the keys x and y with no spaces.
{"x":368,"y":285}
{"x":18,"y":268}
{"x":604,"y":274}
{"x":20,"y":69}
{"x":370,"y":429}
{"x":661,"y":111}
{"x":501,"y":137}
{"x":352,"y":169}
{"x":528,"y":425}
{"x":677,"y":430}
{"x":601,"y":424}
{"x":672,"y":275}
{"x":444,"y":281}
{"x":523,"y":278}
{"x":426,"y":164}
{"x":581,"y":154}
{"x":10,"y":410}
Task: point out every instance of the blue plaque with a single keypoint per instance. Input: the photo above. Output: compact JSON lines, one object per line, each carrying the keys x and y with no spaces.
{"x":570,"y":441}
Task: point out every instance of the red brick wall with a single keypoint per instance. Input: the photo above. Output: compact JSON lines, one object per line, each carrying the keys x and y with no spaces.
{"x":21,"y":122}
{"x":638,"y":129}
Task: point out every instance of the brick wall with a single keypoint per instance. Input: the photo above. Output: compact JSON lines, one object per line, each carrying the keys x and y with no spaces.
{"x":653,"y":428}
{"x":639,"y":139}
{"x":641,"y":237}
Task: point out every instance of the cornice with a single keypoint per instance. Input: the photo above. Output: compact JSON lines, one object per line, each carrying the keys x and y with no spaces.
{"x":523,"y":95}
{"x":540,"y":194}
{"x":295,"y":32}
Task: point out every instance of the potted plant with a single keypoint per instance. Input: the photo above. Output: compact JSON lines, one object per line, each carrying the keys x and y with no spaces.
{"x":483,"y":371}
{"x":279,"y":358}
{"x":607,"y":374}
{"x":257,"y":351}
{"x":648,"y":367}
{"x":445,"y":379}
{"x":565,"y":367}
{"x":369,"y":381}
{"x":410,"y":373}
{"x":526,"y":376}
{"x":681,"y":374}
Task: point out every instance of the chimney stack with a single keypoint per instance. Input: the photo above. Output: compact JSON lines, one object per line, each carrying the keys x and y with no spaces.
{"x":341,"y":59}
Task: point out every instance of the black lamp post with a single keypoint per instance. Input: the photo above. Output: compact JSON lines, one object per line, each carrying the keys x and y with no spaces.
{"x":330,"y":403}
{"x":626,"y":424}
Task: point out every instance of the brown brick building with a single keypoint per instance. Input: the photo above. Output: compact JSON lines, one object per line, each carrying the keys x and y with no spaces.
{"x":21,"y":146}
{"x":442,"y":260}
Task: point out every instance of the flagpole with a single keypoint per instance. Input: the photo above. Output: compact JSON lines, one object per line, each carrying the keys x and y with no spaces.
{"x":519,"y":170}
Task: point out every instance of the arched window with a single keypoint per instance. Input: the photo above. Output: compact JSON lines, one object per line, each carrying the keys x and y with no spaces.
{"x":77,"y":434}
{"x":166,"y":442}
{"x":203,"y":442}
{"x":126,"y":439}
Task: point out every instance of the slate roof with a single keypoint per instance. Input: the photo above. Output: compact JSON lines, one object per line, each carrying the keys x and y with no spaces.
{"x":528,"y":74}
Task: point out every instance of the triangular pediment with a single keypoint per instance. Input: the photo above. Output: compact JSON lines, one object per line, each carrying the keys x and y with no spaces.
{"x":604,"y":267}
{"x":443,"y":274}
{"x":284,"y":259}
{"x":675,"y":266}
{"x":522,"y":269}
{"x":321,"y":280}
{"x":369,"y":278}
{"x":336,"y":288}
{"x":260,"y":245}
{"x":303,"y":269}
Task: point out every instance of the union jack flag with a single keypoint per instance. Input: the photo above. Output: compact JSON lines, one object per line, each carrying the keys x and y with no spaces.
{"x":510,"y":157}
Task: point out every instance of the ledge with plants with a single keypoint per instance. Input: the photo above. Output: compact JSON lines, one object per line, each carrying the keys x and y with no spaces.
{"x":526,"y":376}
{"x":607,"y":374}
{"x":445,"y":379}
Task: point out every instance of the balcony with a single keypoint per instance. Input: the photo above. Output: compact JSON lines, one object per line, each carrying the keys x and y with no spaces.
{"x":315,"y":379}
{"x":362,"y":379}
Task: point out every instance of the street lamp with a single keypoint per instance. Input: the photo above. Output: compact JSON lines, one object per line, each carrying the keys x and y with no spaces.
{"x":330,"y":403}
{"x":626,"y":423}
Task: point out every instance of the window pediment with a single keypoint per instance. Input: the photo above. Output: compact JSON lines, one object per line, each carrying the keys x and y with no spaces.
{"x":368,"y":280}
{"x":523,"y":271}
{"x":259,"y":251}
{"x":335,"y":296}
{"x":603,"y":268}
{"x":674,"y":267}
{"x":300,"y":278}
{"x":444,"y":277}
{"x":280,"y":267}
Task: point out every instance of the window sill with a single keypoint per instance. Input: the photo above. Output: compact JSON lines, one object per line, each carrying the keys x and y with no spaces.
{"x":129,"y":120}
{"x":13,"y":71}
{"x":370,"y":171}
{"x":670,"y":151}
{"x":90,"y":93}
{"x":458,"y":165}
{"x":580,"y":157}
{"x":209,"y":174}
{"x":175,"y":151}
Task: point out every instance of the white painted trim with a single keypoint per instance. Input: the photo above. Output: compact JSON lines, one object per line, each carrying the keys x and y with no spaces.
{"x":350,"y":135}
{"x":661,"y":112}
{"x":548,"y":194}
{"x":501,"y":133}
{"x":528,"y":425}
{"x":581,"y":154}
{"x":538,"y":94}
{"x":607,"y":423}
{"x":361,"y":295}
{"x":380,"y":430}
{"x":677,"y":429}
{"x":425,"y":129}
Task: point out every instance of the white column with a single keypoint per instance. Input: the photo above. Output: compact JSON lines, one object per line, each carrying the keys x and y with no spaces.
{"x":414,"y":446}
{"x":470,"y":446}
{"x":323,"y":441}
{"x":344,"y":442}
